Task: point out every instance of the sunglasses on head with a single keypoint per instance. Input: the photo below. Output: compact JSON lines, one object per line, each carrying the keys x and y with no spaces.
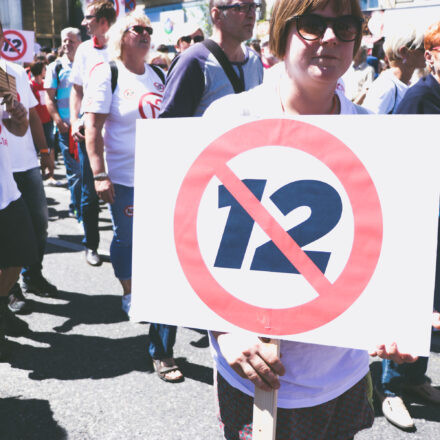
{"x":187,"y":39}
{"x":312,"y":26}
{"x":138,"y":29}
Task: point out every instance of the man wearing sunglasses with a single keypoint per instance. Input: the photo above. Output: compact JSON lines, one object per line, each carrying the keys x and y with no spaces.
{"x":188,"y":37}
{"x":196,"y":78}
{"x":98,"y":18}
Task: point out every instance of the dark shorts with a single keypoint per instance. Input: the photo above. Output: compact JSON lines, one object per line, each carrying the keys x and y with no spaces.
{"x":338,"y":419}
{"x":17,"y":241}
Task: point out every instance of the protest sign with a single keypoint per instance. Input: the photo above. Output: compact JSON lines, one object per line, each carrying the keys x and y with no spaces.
{"x":295,"y":229}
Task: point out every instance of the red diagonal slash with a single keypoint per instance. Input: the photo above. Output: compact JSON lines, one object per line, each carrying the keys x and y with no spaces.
{"x":13,"y":47}
{"x":285,"y":243}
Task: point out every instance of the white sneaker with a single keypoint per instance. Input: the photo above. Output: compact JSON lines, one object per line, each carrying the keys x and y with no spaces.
{"x":126,"y":303}
{"x":395,"y":412}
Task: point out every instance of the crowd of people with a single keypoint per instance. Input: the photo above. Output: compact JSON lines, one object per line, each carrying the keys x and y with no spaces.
{"x":85,"y":103}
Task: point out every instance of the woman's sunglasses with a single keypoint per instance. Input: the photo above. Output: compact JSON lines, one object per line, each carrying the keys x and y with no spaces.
{"x":187,"y":39}
{"x":138,"y":29}
{"x":312,"y":26}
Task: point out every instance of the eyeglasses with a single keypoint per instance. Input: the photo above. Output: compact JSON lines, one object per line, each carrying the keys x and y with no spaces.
{"x":312,"y":26}
{"x":436,"y":48}
{"x":187,"y":39}
{"x":242,"y":7}
{"x":138,"y":29}
{"x":162,"y":66}
{"x":89,"y":17}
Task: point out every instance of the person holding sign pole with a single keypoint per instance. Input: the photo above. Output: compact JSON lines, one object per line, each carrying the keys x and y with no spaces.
{"x":324,"y":392}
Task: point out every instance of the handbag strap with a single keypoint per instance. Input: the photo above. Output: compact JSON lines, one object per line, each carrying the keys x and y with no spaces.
{"x":215,"y":49}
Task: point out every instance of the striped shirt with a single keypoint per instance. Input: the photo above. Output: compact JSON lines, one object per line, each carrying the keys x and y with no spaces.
{"x":62,"y":84}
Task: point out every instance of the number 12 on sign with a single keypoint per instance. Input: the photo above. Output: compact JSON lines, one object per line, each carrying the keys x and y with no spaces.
{"x":326,"y":210}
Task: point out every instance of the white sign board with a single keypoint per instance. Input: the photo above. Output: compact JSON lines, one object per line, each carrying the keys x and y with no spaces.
{"x":18,"y":46}
{"x":312,"y":229}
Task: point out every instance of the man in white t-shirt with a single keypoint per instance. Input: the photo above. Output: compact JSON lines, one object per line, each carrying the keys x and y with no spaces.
{"x":99,"y":16}
{"x":27,"y":174}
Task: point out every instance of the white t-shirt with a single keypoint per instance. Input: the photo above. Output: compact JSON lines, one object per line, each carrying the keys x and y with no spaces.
{"x":315,"y":373}
{"x":358,"y":80}
{"x":8,"y":188}
{"x":87,"y":58}
{"x":135,"y":97}
{"x":385,"y":93}
{"x":23,"y":155}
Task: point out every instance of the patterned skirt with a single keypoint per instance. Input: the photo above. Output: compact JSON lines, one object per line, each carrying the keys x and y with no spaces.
{"x":338,"y":419}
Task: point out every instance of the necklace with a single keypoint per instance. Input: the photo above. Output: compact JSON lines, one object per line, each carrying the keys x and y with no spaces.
{"x":333,"y":110}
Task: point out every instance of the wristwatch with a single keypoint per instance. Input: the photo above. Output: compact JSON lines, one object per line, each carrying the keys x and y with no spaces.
{"x":100,"y":176}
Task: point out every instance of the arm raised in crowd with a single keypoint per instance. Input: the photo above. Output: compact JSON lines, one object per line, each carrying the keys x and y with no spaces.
{"x":76,"y":96}
{"x":18,"y":123}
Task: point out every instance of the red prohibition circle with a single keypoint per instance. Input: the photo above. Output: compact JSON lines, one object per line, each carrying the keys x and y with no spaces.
{"x":117,"y":7}
{"x":154,"y":100}
{"x":18,"y":54}
{"x":333,"y":298}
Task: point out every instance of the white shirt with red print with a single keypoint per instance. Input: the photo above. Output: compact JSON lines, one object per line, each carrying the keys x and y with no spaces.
{"x":135,"y":97}
{"x":8,"y":188}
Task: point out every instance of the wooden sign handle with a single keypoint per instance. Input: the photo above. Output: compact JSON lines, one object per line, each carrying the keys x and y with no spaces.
{"x":265,"y":406}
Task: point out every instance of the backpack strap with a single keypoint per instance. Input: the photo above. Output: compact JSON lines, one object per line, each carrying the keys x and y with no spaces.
{"x":215,"y":49}
{"x":159,"y":72}
{"x":58,"y":67}
{"x":395,"y":99}
{"x":114,"y":73}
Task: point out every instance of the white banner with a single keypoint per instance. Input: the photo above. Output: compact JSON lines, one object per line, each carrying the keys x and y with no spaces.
{"x":318,"y":229}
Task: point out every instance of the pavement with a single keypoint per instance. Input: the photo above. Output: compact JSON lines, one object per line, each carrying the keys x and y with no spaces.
{"x":83,"y":373}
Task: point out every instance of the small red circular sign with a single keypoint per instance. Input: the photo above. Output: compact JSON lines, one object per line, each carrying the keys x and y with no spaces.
{"x":15,"y":46}
{"x":333,"y":298}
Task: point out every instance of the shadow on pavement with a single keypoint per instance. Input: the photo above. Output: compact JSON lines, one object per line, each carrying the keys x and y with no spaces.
{"x":82,"y":309}
{"x":70,"y":357}
{"x":30,"y":419}
{"x":197,"y":372}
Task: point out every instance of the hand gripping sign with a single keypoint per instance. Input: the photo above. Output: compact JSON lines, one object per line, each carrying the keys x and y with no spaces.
{"x":298,"y":229}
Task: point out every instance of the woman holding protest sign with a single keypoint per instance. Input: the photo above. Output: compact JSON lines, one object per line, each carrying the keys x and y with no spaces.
{"x":119,"y":93}
{"x":324,"y":392}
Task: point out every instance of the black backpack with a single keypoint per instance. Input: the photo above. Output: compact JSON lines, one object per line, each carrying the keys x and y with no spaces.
{"x":114,"y":73}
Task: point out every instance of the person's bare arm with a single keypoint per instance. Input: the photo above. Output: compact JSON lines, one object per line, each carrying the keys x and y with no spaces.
{"x":76,"y":97}
{"x":52,"y":108}
{"x":46,"y":159}
{"x":19,"y":122}
{"x":94,"y":122}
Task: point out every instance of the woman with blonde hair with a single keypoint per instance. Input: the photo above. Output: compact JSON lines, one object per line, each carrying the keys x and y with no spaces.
{"x":404,"y":50}
{"x":119,"y":93}
{"x":324,"y":392}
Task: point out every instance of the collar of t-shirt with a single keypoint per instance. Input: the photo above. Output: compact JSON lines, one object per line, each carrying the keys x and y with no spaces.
{"x":96,"y":44}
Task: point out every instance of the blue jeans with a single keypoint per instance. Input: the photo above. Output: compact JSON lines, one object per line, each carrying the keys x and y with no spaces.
{"x":394,"y":375}
{"x":89,"y":201}
{"x":73,"y":174}
{"x":30,"y":184}
{"x":162,"y":340}
{"x":122,"y":244}
{"x":49,"y":134}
